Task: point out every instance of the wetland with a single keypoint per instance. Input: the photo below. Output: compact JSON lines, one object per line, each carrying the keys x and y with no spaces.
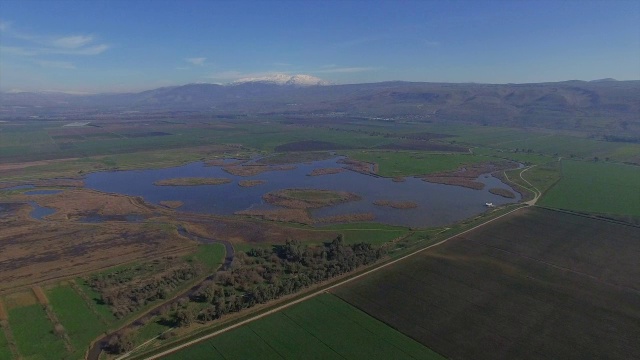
{"x":435,"y":204}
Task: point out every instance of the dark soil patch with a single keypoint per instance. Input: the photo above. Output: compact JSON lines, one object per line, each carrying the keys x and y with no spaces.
{"x":423,"y":146}
{"x":535,"y":284}
{"x":146,"y":134}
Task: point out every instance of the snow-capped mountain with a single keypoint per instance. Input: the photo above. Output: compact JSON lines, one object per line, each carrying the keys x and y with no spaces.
{"x":284,"y":79}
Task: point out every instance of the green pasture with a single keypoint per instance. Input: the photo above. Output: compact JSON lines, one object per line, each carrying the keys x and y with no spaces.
{"x":596,"y":187}
{"x":210,"y":255}
{"x":82,"y":325}
{"x":5,"y":352}
{"x":408,"y":163}
{"x":34,"y":335}
{"x":323,"y":327}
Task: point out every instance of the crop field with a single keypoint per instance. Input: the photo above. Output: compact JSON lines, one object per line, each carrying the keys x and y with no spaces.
{"x":537,"y":283}
{"x":596,"y":187}
{"x":402,"y":163}
{"x":5,"y":353}
{"x":323,"y":327}
{"x":80,"y":323}
{"x":34,"y":334}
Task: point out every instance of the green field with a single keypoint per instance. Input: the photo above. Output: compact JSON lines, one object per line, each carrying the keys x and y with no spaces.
{"x":5,"y":352}
{"x":210,"y":255}
{"x":323,"y":327}
{"x":34,"y":334}
{"x":405,"y":163}
{"x":596,"y":187}
{"x":82,"y":325}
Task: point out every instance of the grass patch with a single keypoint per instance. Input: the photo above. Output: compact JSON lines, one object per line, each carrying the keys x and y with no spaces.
{"x":34,"y":335}
{"x":82,"y":325}
{"x":209,"y":255}
{"x":403,"y":163}
{"x":596,"y":187}
{"x":323,"y":327}
{"x":5,"y":352}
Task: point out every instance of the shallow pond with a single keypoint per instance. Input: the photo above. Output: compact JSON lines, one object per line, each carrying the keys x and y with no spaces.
{"x":39,"y":212}
{"x":437,"y":204}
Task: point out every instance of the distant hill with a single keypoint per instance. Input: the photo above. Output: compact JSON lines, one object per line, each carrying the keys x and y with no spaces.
{"x":602,"y":106}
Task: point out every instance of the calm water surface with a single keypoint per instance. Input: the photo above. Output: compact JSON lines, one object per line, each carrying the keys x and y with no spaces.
{"x":437,"y":204}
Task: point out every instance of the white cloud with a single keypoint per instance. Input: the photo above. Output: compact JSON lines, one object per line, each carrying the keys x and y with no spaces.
{"x":72,"y":42}
{"x":25,"y":44}
{"x":196,"y":61}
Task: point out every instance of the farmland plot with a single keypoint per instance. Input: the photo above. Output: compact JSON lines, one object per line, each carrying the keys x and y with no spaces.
{"x":535,"y":284}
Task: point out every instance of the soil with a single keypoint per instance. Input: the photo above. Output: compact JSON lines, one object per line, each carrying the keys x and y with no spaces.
{"x":42,"y":298}
{"x":535,"y":284}
{"x":360,"y":166}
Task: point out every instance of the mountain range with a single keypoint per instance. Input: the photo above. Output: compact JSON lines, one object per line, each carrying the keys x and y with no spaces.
{"x":605,"y":105}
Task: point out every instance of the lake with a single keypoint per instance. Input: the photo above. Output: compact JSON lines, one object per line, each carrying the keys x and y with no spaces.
{"x":437,"y":204}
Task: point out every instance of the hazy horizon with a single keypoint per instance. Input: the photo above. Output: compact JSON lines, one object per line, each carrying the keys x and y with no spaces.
{"x":113,"y":46}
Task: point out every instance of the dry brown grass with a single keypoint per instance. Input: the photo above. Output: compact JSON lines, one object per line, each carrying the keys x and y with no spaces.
{"x":284,"y":215}
{"x":465,"y":176}
{"x":73,"y":204}
{"x":308,"y":198}
{"x":42,"y":298}
{"x":192,"y":181}
{"x":457,"y":181}
{"x":396,"y":204}
{"x":251,"y":183}
{"x":251,"y":170}
{"x":326,"y":171}
{"x":35,"y":251}
{"x":3,"y":313}
{"x":20,"y":299}
{"x":360,"y":217}
{"x":502,"y":192}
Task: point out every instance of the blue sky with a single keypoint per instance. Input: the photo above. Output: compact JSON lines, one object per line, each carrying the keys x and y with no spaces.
{"x":118,"y":45}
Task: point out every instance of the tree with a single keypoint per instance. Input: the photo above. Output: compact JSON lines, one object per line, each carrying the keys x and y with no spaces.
{"x":184,"y":317}
{"x":120,"y":343}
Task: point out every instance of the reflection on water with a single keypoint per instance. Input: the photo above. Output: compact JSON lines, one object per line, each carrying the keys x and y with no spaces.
{"x":437,"y":204}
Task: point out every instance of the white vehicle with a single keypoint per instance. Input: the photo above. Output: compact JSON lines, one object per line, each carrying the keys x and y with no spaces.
{"x":489,"y":205}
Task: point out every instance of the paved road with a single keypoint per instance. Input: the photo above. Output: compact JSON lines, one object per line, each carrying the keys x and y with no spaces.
{"x":279,"y":308}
